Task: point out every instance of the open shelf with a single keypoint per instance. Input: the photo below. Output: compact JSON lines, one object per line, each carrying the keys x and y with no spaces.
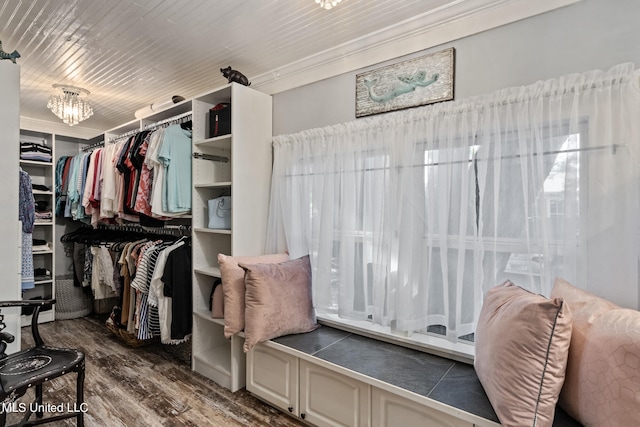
{"x":208,"y":271}
{"x":220,"y":142}
{"x":212,"y":230}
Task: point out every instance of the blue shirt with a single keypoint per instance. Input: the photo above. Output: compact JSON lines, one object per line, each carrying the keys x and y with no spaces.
{"x":175,"y":155}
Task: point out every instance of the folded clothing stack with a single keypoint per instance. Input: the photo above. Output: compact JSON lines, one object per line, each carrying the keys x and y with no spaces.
{"x":43,"y":217}
{"x":43,"y":212}
{"x":40,"y":187}
{"x":40,"y":245}
{"x":40,"y":274}
{"x":37,"y":152}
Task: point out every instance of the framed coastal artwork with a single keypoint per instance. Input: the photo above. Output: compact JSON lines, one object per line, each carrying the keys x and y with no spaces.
{"x":410,"y":83}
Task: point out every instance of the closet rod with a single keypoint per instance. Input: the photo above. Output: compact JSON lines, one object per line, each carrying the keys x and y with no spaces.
{"x":137,"y":228}
{"x":174,"y":119}
{"x":92,"y":146}
{"x":123,"y":136}
{"x":211,"y":157}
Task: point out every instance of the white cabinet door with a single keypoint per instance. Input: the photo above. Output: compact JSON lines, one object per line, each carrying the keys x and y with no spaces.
{"x":331,"y":399}
{"x":273,"y":376}
{"x":389,"y":410}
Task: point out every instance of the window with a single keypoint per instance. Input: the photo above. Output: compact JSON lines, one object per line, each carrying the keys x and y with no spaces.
{"x":411,"y":217}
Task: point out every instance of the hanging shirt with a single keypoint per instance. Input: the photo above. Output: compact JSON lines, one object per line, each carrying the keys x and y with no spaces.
{"x":177,"y":285}
{"x":108,"y":192}
{"x":26,"y":214}
{"x":175,"y":154}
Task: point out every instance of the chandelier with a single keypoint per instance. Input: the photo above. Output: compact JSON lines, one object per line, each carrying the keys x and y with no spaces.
{"x":328,"y":4}
{"x":68,"y":106}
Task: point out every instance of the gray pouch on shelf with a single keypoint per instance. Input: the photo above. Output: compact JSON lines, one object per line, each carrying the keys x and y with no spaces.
{"x":220,"y":212}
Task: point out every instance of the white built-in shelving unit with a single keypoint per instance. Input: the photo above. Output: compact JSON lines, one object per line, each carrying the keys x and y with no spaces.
{"x":42,"y":173}
{"x":242,"y":170}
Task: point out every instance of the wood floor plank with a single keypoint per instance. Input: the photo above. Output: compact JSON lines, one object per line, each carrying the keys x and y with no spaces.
{"x":145,"y":386}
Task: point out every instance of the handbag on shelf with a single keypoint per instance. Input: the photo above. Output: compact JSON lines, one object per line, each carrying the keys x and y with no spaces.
{"x":216,"y":301}
{"x":220,"y":212}
{"x":220,"y":119}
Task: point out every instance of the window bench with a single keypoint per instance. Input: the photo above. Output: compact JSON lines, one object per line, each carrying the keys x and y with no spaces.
{"x":331,"y":377}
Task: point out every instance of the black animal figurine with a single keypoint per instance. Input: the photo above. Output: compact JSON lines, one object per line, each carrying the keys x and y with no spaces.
{"x":235,"y":76}
{"x":11,"y":56}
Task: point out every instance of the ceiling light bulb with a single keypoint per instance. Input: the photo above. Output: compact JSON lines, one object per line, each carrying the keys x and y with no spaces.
{"x":69,"y":107}
{"x":327,"y":4}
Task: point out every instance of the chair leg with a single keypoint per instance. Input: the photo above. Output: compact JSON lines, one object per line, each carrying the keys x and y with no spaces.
{"x":39,"y":412}
{"x":80,"y":398}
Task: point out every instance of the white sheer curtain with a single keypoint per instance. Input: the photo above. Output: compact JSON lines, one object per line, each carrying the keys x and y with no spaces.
{"x":410,"y":217}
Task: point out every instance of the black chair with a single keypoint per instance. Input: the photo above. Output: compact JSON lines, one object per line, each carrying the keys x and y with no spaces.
{"x":34,"y":366}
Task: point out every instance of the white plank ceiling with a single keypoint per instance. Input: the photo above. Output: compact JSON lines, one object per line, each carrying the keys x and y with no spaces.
{"x":129,"y":54}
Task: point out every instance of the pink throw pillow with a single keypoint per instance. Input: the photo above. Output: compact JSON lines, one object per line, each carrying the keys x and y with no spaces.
{"x":233,"y":287}
{"x":522,"y":340}
{"x":602,"y":385}
{"x":279,"y":300}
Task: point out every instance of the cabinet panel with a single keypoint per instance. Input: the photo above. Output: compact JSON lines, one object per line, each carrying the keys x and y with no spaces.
{"x":273,"y":376}
{"x":10,"y":228}
{"x":331,"y":399}
{"x":390,"y":410}
{"x":216,"y":357}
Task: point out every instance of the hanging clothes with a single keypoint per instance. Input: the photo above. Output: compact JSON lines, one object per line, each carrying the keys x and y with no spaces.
{"x":27,"y":214}
{"x":177,"y":269}
{"x":143,"y":179}
{"x":152,"y":283}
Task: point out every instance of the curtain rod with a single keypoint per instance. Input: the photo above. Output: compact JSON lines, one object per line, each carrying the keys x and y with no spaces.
{"x":612,"y":147}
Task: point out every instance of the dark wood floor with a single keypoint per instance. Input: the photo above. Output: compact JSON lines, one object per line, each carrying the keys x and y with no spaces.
{"x":146,"y":386}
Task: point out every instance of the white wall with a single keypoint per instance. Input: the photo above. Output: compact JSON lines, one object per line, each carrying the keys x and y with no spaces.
{"x":591,"y":34}
{"x":10,"y":256}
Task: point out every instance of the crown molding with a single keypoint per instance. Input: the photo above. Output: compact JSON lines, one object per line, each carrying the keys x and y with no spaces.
{"x":58,"y":128}
{"x":455,"y":20}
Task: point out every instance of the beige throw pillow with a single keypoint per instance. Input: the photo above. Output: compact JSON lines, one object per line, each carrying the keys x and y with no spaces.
{"x":278,"y":300}
{"x":233,"y":287}
{"x":522,"y":340}
{"x":602,"y":385}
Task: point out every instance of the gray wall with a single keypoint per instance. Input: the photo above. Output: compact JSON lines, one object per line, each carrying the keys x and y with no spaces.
{"x":592,"y":34}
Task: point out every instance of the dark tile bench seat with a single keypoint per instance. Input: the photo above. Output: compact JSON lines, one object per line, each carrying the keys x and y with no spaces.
{"x":444,"y":380}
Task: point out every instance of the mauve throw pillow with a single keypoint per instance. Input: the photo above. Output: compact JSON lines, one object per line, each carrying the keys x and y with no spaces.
{"x":602,"y":385}
{"x":522,"y":340}
{"x":233,"y":287}
{"x":278,"y":300}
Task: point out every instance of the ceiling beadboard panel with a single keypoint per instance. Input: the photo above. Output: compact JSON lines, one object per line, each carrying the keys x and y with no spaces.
{"x":130,"y":54}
